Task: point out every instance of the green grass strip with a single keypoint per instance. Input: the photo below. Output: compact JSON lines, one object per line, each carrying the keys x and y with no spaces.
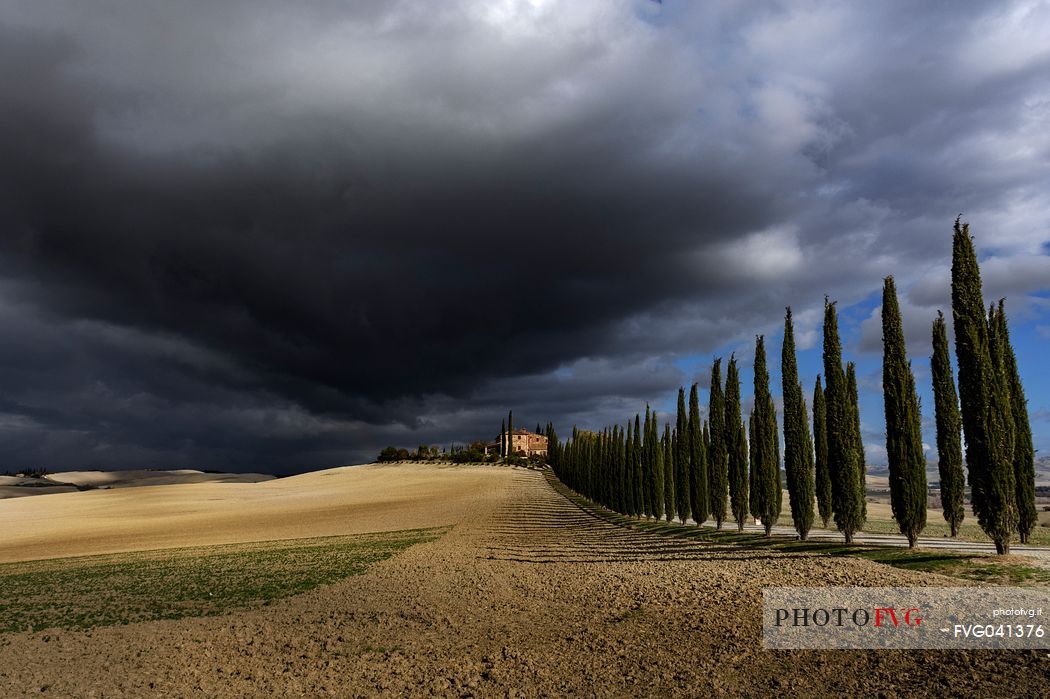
{"x":91,"y":591}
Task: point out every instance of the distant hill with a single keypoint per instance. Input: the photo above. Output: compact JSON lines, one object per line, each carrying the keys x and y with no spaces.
{"x":1042,"y":471}
{"x":72,"y":481}
{"x":878,"y":475}
{"x":131,"y":479}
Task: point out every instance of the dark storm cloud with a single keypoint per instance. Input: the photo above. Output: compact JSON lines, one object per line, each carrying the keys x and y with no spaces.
{"x":261,"y":234}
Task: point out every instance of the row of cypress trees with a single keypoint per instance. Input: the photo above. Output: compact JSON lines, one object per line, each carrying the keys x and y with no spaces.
{"x":697,"y":468}
{"x":702,"y":469}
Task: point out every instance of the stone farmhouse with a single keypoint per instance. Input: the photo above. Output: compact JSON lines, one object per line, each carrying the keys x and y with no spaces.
{"x":522,"y":443}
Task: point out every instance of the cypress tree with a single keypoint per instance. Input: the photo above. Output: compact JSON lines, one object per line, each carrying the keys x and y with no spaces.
{"x":596,"y":458}
{"x":718,"y":453}
{"x":570,"y":459}
{"x":621,"y":471}
{"x":1024,"y":451}
{"x":858,"y":444}
{"x":587,"y":465}
{"x":1002,"y":416}
{"x":697,"y":461}
{"x":705,"y":445}
{"x":632,"y":454}
{"x":767,"y":477}
{"x":647,"y":466}
{"x":554,"y":449}
{"x":610,"y":472}
{"x":990,"y":465}
{"x":628,"y":469}
{"x":743,"y":456}
{"x":669,"y":484}
{"x":907,"y":463}
{"x":590,"y":459}
{"x":657,"y":468}
{"x":609,"y":468}
{"x":510,"y":433}
{"x":503,"y":439}
{"x":752,"y":470}
{"x":639,"y":492}
{"x":674,"y":468}
{"x":618,"y":470}
{"x":820,"y":449}
{"x":547,"y":433}
{"x":808,"y":456}
{"x":798,"y":449}
{"x":949,"y":429}
{"x":681,"y":458}
{"x":737,"y":468}
{"x":843,"y":468}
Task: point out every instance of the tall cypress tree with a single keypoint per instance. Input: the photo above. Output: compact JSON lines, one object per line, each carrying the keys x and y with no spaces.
{"x":990,"y":465}
{"x":632,"y":447}
{"x":657,"y":469}
{"x":639,"y":492}
{"x":628,"y":468}
{"x":718,"y":453}
{"x":603,"y":483}
{"x":674,"y":467}
{"x":669,"y":484}
{"x":609,"y":468}
{"x":503,"y":438}
{"x":907,"y":463}
{"x":648,"y":473}
{"x":740,"y":455}
{"x":547,"y":432}
{"x":858,"y":444}
{"x":820,"y":448}
{"x":736,"y":439}
{"x":621,"y":470}
{"x":808,"y":455}
{"x":842,"y":454}
{"x":609,"y":472}
{"x":1002,"y":416}
{"x":510,"y":433}
{"x":752,"y":468}
{"x":949,"y":429}
{"x":798,"y":450}
{"x":697,"y":461}
{"x":1024,"y":451}
{"x":681,"y":460}
{"x":767,"y":478}
{"x":705,"y":445}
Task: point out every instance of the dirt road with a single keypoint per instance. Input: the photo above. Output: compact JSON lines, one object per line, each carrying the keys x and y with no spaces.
{"x":525,"y":596}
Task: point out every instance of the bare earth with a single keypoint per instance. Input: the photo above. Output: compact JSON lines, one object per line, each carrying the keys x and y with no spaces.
{"x":526,"y":595}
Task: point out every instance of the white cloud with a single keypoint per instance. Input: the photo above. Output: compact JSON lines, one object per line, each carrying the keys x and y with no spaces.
{"x":767,"y":255}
